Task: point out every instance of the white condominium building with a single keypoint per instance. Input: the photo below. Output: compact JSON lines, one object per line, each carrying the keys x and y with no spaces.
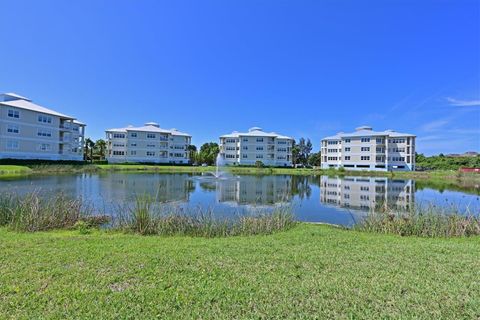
{"x":29,"y":131}
{"x":366,"y":149}
{"x":149,"y":143}
{"x":246,"y":148}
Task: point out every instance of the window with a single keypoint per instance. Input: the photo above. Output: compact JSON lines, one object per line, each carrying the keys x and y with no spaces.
{"x":365,"y":149}
{"x":282,"y":142}
{"x":332,"y":142}
{"x":379,"y":158}
{"x":44,"y":147}
{"x":12,"y":129}
{"x":347,"y":140}
{"x":259,"y":156}
{"x":229,"y":148}
{"x":118,"y":153}
{"x":230,"y":141}
{"x":379,"y":140}
{"x":245,"y":156}
{"x":133,"y":144}
{"x":282,"y":149}
{"x":150,"y":146}
{"x":380,"y":150}
{"x":332,"y":150}
{"x":365,"y":139}
{"x":230,"y":156}
{"x":150,"y":154}
{"x":119,"y":145}
{"x":245,"y":147}
{"x":12,"y":145}
{"x":347,"y":149}
{"x":44,"y":119}
{"x":133,"y":135}
{"x":44,"y":133}
{"x":347,"y":158}
{"x":259,"y":139}
{"x":14,"y":114}
{"x":347,"y":187}
{"x":365,"y":158}
{"x":259,"y":148}
{"x":363,"y":188}
{"x":245,"y":139}
{"x":119,"y":136}
{"x":133,"y":153}
{"x":151,"y":135}
{"x":396,"y":140}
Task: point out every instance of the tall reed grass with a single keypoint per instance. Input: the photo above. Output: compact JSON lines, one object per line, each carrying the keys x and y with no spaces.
{"x":34,"y":213}
{"x":146,"y":217}
{"x":422,"y":221}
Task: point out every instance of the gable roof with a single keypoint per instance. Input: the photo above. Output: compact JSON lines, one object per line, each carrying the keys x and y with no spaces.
{"x":368,"y":132}
{"x":255,"y":132}
{"x":150,"y":127}
{"x":27,"y":104}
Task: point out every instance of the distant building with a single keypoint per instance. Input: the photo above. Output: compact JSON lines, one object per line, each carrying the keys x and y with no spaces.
{"x":366,"y":149}
{"x":149,"y":143}
{"x":466,"y":154}
{"x":246,"y":148}
{"x":30,"y":131}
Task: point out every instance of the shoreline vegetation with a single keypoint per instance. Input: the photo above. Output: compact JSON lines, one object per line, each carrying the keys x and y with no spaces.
{"x":33,"y":213}
{"x":6,"y":170}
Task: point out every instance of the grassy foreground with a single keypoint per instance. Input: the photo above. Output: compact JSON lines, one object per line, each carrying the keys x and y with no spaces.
{"x":310,"y":271}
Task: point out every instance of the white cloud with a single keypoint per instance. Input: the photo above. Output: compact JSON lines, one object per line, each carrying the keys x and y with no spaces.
{"x":463,"y":103}
{"x":434,"y":125}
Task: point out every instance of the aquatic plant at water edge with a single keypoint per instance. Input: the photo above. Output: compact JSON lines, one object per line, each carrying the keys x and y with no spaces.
{"x":422,"y":221}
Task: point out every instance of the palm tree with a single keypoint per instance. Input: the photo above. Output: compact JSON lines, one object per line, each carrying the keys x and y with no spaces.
{"x":89,"y":144}
{"x":100,"y":147}
{"x":192,"y":152}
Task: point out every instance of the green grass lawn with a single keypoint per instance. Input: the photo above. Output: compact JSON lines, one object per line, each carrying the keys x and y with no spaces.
{"x":311,"y":271}
{"x":9,"y":170}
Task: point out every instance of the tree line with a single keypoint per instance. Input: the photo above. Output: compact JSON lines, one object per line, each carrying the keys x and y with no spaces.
{"x":301,"y":152}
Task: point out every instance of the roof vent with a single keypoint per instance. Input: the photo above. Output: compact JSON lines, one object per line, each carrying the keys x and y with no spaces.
{"x":254,"y":129}
{"x":364,"y":128}
{"x":174,"y":129}
{"x":390,"y":130}
{"x":152,"y":124}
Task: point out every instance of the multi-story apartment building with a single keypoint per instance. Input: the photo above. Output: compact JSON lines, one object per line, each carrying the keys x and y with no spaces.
{"x":366,"y":149}
{"x":150,"y":144}
{"x":30,"y":131}
{"x":246,"y":148}
{"x":366,"y":194}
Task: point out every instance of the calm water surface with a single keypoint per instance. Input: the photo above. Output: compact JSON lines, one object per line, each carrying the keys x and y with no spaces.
{"x":315,"y":199}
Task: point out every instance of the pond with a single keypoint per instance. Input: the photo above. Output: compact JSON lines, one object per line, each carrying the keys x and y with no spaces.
{"x":325,"y":199}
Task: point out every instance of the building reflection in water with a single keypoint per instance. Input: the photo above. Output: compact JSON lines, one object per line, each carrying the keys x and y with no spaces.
{"x":164,"y":187}
{"x":364,"y":193}
{"x":261,"y":190}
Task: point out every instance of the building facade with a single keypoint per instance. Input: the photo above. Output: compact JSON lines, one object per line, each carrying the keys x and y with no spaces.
{"x":366,"y":149}
{"x":149,"y":144}
{"x":29,"y":131}
{"x":255,"y":145}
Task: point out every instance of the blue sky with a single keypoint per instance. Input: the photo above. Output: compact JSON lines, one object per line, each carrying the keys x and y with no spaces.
{"x":300,"y":68}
